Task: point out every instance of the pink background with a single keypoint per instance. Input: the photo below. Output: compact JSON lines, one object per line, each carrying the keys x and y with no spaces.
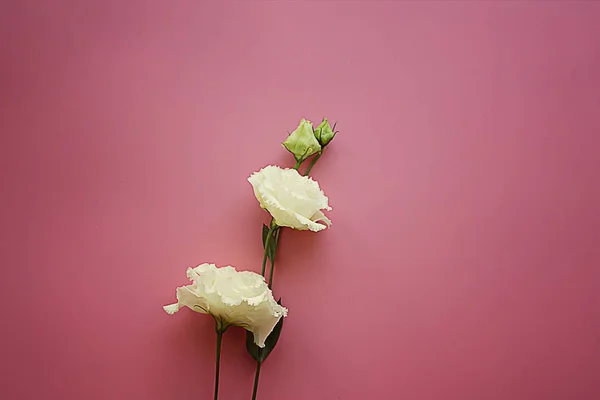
{"x":463,"y":262}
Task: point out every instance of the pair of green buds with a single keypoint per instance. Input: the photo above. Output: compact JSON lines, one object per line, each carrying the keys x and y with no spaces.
{"x":306,"y":140}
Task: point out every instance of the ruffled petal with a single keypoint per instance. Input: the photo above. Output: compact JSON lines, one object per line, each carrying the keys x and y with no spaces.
{"x":187,"y":298}
{"x":319,"y":216}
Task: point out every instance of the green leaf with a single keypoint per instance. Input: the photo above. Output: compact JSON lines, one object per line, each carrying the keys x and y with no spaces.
{"x":254,"y":351}
{"x":265,"y":233}
{"x":272,"y":242}
{"x":261,"y":354}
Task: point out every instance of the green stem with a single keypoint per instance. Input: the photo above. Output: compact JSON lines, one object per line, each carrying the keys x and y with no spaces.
{"x":218,"y":361}
{"x":267,"y":242}
{"x":272,"y":229}
{"x":313,"y":162}
{"x":273,"y":260}
{"x":256,"y":376}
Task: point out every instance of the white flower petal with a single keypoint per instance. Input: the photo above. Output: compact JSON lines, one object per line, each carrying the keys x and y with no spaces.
{"x":311,"y":225}
{"x":186,"y":297}
{"x":319,"y":216}
{"x":171,"y":308}
{"x":265,"y":326}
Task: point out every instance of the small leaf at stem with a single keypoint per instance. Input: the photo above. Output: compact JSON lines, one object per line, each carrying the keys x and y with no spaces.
{"x":261,"y":354}
{"x":272,"y":241}
{"x":265,"y":232}
{"x":254,"y":351}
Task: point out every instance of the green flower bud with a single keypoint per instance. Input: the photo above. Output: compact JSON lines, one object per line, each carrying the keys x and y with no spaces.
{"x":324,"y":133}
{"x":302,"y":142}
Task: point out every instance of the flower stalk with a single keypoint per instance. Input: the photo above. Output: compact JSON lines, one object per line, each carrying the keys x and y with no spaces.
{"x":313,"y":162}
{"x":272,"y":229}
{"x":256,"y":378}
{"x":218,"y":361}
{"x":270,"y":282}
{"x":274,"y":232}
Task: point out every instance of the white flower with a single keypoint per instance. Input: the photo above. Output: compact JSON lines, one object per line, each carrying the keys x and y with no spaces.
{"x":292,"y":200}
{"x":240,"y":298}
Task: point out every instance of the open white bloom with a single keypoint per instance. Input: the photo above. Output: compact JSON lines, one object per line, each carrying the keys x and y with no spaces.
{"x":240,"y":298}
{"x":292,"y":200}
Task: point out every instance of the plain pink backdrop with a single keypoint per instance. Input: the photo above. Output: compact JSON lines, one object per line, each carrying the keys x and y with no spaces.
{"x":464,"y":258}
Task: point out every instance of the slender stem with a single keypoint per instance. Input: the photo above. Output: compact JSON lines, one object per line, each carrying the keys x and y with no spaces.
{"x":256,"y":376}
{"x":312,"y":163}
{"x":273,"y":260}
{"x":218,"y":361}
{"x":267,"y":242}
{"x":270,"y":281}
